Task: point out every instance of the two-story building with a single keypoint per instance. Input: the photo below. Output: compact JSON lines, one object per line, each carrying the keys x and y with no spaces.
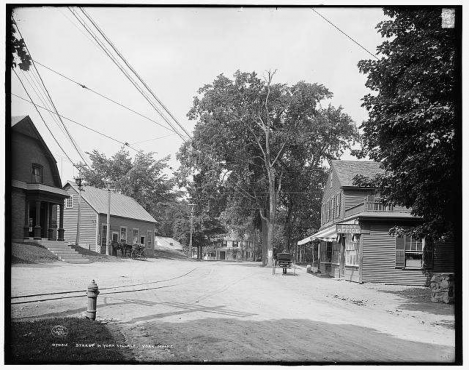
{"x":353,"y":242}
{"x":37,"y":197}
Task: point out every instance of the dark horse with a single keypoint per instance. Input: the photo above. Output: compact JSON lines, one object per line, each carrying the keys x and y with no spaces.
{"x":126,"y":249}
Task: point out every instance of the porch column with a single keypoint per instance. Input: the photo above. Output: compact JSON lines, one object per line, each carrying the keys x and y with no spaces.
{"x":50,"y":231}
{"x":37,"y":228}
{"x":26,"y":219}
{"x":61,"y":223}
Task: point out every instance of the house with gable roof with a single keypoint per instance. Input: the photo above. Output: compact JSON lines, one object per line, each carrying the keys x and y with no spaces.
{"x":37,"y":196}
{"x":353,"y":242}
{"x":129,"y":221}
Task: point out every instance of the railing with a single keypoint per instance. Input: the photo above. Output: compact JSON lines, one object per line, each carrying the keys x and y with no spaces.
{"x":374,"y":206}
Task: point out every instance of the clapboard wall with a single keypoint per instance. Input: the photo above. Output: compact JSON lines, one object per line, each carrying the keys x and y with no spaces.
{"x":379,"y":259}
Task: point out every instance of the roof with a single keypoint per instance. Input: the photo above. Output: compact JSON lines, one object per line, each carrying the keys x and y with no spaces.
{"x":16,"y":119}
{"x":166,"y":242}
{"x":121,"y":205}
{"x":28,"y":128}
{"x":347,"y":170}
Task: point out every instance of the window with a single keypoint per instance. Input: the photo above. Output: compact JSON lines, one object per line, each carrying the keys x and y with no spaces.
{"x":335,"y":252}
{"x":224,"y":243}
{"x":142,"y":240}
{"x":123,"y":234}
{"x":149,"y":239}
{"x":36,"y":174}
{"x":134,"y":236}
{"x":104,"y":235}
{"x":235,"y":244}
{"x":409,"y":252}
{"x":351,"y":250}
{"x":331,"y":180}
{"x":69,"y":202}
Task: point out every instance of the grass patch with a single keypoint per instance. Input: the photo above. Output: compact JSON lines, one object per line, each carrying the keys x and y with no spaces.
{"x":85,"y":341}
{"x":30,"y":254}
{"x":94,"y":256}
{"x":169,"y":254}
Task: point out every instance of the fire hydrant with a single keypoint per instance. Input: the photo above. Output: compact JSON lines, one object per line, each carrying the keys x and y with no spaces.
{"x":92,"y":298}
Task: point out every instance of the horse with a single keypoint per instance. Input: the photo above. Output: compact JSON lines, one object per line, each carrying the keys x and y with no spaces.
{"x":123,"y":247}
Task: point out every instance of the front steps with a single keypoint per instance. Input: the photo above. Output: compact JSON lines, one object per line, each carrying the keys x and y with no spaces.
{"x":63,"y":251}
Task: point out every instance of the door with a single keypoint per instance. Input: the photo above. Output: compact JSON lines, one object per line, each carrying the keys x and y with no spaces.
{"x":222,"y":255}
{"x":115,"y":236}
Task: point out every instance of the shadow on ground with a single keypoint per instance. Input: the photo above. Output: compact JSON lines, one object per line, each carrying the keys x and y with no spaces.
{"x":230,"y":340}
{"x":419,"y":299}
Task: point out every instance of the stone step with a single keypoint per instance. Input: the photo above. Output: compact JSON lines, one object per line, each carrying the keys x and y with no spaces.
{"x":64,"y":252}
{"x":77,"y":261}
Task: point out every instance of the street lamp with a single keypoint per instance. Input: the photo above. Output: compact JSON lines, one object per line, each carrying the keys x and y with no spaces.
{"x":78,"y":181}
{"x":108,"y":228}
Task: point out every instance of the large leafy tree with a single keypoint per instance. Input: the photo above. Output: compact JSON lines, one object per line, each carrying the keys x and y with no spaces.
{"x":248,"y":131}
{"x":412,"y":125}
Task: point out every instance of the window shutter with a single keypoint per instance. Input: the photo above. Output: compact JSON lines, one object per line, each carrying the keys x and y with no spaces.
{"x":400,"y":252}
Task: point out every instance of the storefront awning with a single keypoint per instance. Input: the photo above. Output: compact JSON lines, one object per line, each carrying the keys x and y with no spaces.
{"x":328,"y":235}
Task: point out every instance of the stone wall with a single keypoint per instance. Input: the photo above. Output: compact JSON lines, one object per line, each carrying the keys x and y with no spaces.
{"x":442,"y":286}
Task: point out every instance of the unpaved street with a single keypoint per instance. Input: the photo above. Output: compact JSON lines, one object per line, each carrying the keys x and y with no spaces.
{"x":179,"y":311}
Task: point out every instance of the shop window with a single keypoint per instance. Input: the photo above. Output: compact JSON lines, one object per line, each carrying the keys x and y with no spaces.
{"x":335,"y":252}
{"x":36,"y":174}
{"x":409,"y":252}
{"x":149,"y":239}
{"x":123,"y":234}
{"x":134,"y":236}
{"x":351,"y":250}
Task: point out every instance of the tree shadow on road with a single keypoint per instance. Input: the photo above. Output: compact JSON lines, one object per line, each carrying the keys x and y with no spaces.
{"x":230,"y":340}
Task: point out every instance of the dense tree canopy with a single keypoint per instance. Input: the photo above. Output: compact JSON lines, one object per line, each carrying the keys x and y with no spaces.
{"x":413,"y":121}
{"x":17,"y":54}
{"x":252,"y":135}
{"x":141,"y":178}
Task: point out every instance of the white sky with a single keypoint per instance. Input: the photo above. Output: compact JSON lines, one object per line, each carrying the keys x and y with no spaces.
{"x":177,"y":51}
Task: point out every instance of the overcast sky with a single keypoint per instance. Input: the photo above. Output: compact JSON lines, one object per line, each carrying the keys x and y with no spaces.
{"x":176,"y":51}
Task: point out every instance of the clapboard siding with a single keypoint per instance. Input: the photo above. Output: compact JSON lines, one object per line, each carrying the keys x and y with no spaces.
{"x":379,"y":256}
{"x":142,"y":226}
{"x":355,"y":197}
{"x":329,"y":193}
{"x":443,"y":257}
{"x":87,"y":221}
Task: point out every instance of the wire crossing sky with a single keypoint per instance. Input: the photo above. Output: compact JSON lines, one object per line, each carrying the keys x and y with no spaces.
{"x":176,"y":51}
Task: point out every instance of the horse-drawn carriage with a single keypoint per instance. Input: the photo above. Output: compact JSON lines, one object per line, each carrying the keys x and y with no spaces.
{"x":285,"y":261}
{"x":132,"y":250}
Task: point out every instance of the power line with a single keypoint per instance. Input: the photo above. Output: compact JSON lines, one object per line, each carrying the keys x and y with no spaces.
{"x":103,"y":47}
{"x":133,"y":70}
{"x":60,"y":146}
{"x":337,"y":28}
{"x":50,"y":98}
{"x":80,"y":124}
{"x":101,"y":95}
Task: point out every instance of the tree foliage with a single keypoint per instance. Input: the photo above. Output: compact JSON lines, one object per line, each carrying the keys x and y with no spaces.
{"x":17,"y":49}
{"x":412,"y":123}
{"x":251,"y":135}
{"x":141,"y":178}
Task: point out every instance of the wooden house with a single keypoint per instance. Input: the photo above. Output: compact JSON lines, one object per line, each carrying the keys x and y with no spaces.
{"x":353,"y":242}
{"x":129,"y":221}
{"x":37,"y":197}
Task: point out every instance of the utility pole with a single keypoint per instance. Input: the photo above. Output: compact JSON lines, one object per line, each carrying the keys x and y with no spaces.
{"x":108,"y":228}
{"x":78,"y":181}
{"x":192,"y":229}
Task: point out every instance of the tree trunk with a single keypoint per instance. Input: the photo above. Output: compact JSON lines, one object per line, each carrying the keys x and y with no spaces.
{"x":264,"y":241}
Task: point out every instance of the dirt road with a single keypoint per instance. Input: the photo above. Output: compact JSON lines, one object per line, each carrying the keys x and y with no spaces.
{"x":189,"y":311}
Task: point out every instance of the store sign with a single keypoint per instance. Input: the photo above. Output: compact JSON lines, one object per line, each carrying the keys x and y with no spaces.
{"x":348,"y":229}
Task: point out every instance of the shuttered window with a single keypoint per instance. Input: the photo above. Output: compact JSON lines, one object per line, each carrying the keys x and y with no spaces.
{"x":410,"y":252}
{"x":400,"y":252}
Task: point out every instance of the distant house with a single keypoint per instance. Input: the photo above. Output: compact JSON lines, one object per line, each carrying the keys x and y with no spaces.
{"x":129,"y":221}
{"x":231,"y":249}
{"x":168,"y":243}
{"x":353,"y":242}
{"x":37,"y":197}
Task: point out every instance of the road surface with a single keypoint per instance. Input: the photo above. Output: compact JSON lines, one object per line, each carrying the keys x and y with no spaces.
{"x":216,"y":311}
